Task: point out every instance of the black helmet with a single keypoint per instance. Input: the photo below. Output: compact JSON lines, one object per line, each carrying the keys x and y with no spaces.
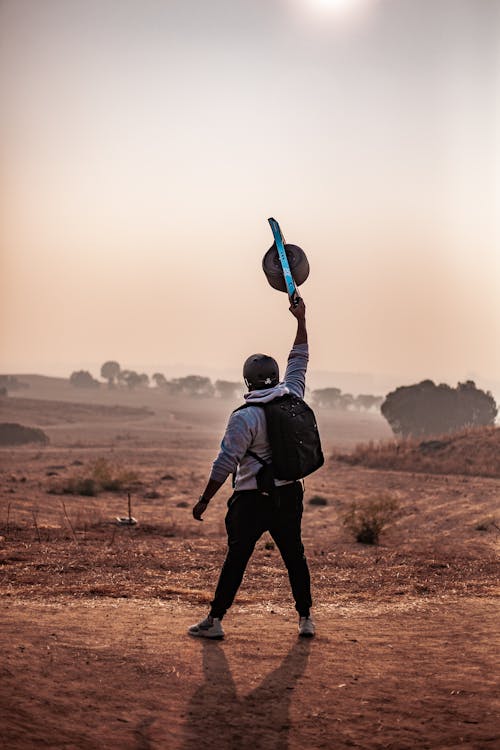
{"x":261,"y":371}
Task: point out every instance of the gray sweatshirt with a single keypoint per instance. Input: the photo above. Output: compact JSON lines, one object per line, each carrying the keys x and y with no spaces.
{"x":247,"y":429}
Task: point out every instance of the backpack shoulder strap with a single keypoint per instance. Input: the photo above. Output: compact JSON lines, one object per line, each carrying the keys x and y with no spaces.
{"x":257,"y":458}
{"x":249,"y":452}
{"x":244,"y":406}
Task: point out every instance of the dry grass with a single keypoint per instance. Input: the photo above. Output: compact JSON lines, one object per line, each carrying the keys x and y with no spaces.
{"x":487,"y":524}
{"x":99,"y":476}
{"x":471,"y":452}
{"x":367,"y":521}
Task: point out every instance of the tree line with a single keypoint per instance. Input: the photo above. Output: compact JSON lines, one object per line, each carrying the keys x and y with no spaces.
{"x":199,"y":386}
{"x":196,"y":386}
{"x":333,"y":398}
{"x":417,"y":410}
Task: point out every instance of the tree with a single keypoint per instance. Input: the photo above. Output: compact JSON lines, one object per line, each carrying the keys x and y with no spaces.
{"x":192,"y":385}
{"x":110,"y":371}
{"x":367,"y":401}
{"x":346,"y":401}
{"x":159,"y":380}
{"x":227,"y":388}
{"x":83,"y":379}
{"x":327,"y":397}
{"x":479,"y":407}
{"x":427,"y":409}
{"x":130,"y":378}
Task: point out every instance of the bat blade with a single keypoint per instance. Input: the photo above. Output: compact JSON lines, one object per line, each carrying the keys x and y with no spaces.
{"x":291,"y":286}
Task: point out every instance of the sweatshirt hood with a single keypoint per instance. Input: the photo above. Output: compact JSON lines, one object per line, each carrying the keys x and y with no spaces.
{"x":264,"y":395}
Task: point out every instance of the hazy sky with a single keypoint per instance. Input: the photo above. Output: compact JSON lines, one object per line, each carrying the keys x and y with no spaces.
{"x":144,"y":144}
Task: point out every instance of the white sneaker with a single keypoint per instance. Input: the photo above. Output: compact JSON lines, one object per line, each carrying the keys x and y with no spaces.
{"x":306,"y":627}
{"x":210,"y":627}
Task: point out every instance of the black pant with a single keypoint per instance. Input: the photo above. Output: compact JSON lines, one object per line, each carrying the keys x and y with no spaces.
{"x":250,"y":514}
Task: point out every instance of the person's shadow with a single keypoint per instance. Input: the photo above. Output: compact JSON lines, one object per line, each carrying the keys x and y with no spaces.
{"x":219,"y":717}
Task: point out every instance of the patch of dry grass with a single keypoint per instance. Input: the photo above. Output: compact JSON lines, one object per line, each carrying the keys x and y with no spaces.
{"x":367,"y":521}
{"x":99,"y":476}
{"x":471,"y":452}
{"x":487,"y":524}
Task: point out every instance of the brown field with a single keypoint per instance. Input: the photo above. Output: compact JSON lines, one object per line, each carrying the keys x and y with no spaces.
{"x":94,"y":615}
{"x":473,"y":452}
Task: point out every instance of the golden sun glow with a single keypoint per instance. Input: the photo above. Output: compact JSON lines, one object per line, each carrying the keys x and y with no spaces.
{"x":340,"y":6}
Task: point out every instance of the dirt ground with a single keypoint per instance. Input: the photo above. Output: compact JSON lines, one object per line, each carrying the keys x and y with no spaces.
{"x":94,"y":616}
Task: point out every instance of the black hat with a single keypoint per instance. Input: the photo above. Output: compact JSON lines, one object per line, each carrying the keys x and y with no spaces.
{"x":261,"y":371}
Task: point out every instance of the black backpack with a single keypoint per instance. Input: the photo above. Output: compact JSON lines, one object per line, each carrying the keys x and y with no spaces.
{"x":293,"y":436}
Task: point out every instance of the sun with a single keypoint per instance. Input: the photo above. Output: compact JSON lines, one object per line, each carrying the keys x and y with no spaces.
{"x":335,"y":5}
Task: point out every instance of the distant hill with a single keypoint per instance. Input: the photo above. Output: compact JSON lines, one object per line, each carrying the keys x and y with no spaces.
{"x":49,"y":412}
{"x":33,"y":380}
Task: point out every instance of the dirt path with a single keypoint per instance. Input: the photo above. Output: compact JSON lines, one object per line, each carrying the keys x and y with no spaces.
{"x":105,"y":673}
{"x":93,"y":620}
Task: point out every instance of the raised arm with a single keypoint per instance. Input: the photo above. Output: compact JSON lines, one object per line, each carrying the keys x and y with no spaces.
{"x":299,"y":312}
{"x":295,"y":375}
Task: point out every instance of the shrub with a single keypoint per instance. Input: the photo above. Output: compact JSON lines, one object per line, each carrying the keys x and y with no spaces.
{"x":81,"y":486}
{"x":487,"y":524}
{"x":109,"y":477}
{"x":100,"y":476}
{"x":367,"y":522}
{"x":12,"y":433}
{"x":318,"y":500}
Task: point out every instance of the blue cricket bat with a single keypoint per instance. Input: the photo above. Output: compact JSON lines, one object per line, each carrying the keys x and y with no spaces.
{"x":291,"y":286}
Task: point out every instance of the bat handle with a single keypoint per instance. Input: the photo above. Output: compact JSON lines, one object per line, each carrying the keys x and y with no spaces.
{"x":295,"y":299}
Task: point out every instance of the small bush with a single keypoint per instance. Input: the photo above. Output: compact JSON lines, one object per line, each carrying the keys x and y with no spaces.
{"x":152,"y":495}
{"x":100,"y":476}
{"x":487,"y":524}
{"x":111,"y":478}
{"x":318,"y":500}
{"x":12,"y":433}
{"x":81,"y":486}
{"x":367,"y":522}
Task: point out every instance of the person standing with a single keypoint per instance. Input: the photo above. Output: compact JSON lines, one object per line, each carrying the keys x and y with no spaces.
{"x":251,"y":512}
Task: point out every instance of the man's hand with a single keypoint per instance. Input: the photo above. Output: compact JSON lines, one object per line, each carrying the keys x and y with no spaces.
{"x":299,"y":312}
{"x":199,"y":509}
{"x":212,"y":487}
